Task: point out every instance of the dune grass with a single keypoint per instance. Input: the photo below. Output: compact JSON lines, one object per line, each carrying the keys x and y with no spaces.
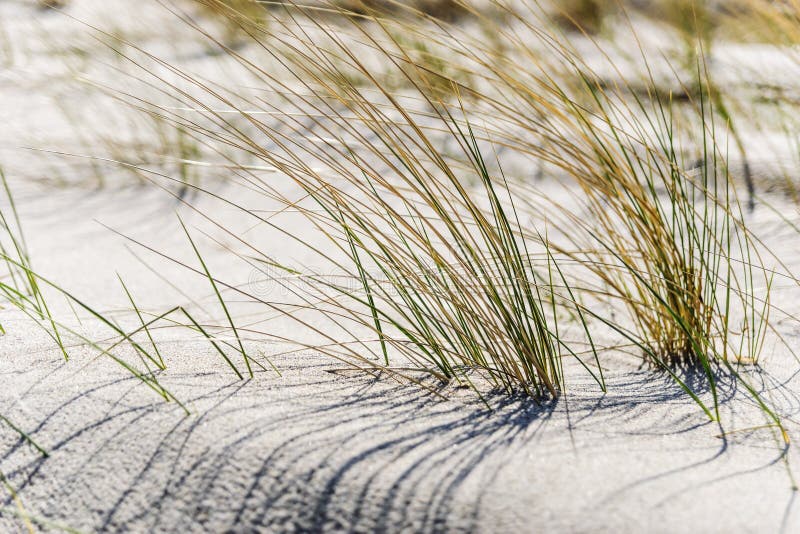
{"x":446,"y":283}
{"x":662,"y":231}
{"x":440,"y":270}
{"x":437,"y":258}
{"x":25,"y":289}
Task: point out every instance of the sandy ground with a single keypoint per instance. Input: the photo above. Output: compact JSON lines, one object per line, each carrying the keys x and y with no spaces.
{"x":314,"y":450}
{"x":320,"y":448}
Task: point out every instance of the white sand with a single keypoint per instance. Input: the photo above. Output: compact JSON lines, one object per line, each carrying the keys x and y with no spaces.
{"x":317,"y":450}
{"x":310,"y":451}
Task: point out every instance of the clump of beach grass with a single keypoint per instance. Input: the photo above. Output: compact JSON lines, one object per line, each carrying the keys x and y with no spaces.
{"x":661,"y":232}
{"x":421,"y":272}
{"x":449,"y":274}
{"x":431,"y":268}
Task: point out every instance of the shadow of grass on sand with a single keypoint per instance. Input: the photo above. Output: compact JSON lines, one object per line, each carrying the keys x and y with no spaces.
{"x":316,"y":452}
